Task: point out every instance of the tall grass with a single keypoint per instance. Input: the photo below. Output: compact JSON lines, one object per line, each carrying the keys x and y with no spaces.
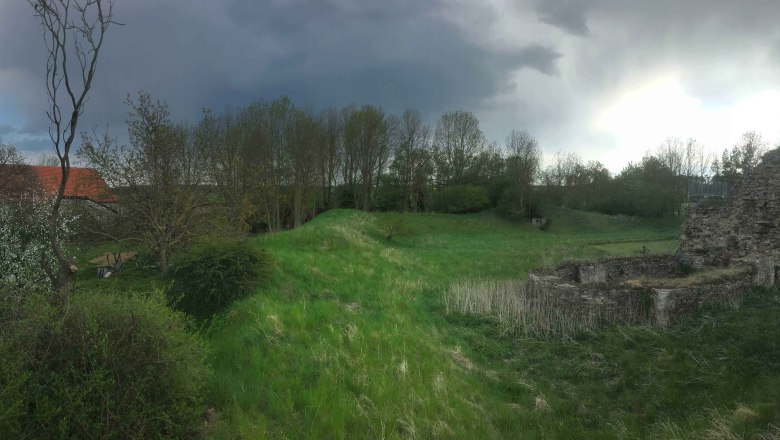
{"x":517,"y":309}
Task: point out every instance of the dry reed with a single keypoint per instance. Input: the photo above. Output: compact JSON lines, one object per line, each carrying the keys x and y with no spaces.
{"x":521,"y":307}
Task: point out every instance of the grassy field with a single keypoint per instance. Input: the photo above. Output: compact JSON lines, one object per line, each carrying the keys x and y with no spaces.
{"x":350,"y":340}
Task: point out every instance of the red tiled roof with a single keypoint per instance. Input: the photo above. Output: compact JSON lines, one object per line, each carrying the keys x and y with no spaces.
{"x":83,"y":183}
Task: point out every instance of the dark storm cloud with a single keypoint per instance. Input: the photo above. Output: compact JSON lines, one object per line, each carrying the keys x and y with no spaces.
{"x":568,"y":15}
{"x":321,"y":53}
{"x":547,"y":66}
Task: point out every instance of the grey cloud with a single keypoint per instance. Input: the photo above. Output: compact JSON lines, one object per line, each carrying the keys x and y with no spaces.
{"x":407,"y":53}
{"x":568,"y":15}
{"x":291,"y":16}
{"x":538,"y":57}
{"x":6,"y":129}
{"x":323,"y":53}
{"x":28,"y":146}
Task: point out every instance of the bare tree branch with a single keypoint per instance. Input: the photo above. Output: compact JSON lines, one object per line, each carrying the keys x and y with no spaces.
{"x":87,"y":29}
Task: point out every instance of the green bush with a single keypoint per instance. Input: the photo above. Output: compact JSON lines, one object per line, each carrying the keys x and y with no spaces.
{"x":211,"y":276}
{"x":101,"y":366}
{"x":518,"y":205}
{"x":461,"y":199}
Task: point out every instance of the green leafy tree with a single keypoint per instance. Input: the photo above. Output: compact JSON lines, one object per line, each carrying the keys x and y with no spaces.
{"x":742,"y":158}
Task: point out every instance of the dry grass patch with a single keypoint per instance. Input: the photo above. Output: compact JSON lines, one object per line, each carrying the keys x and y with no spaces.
{"x":460,"y":360}
{"x":520,"y":309}
{"x":541,"y":405}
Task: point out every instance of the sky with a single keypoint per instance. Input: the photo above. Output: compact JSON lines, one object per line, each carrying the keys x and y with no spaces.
{"x":605,"y":79}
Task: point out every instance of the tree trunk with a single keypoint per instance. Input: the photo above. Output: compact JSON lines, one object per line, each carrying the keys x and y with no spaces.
{"x":162,"y":258}
{"x":366,"y":196}
{"x":297,"y":208}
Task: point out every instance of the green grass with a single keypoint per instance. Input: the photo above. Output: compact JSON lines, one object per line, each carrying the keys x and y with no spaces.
{"x":136,"y":274}
{"x":350,"y":340}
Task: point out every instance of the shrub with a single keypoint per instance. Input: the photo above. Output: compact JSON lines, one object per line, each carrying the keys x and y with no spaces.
{"x":210,"y":276}
{"x":461,"y":199}
{"x":517,"y":205}
{"x":102,"y":366}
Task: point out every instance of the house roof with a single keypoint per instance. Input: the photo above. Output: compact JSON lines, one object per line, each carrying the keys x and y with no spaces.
{"x":83,"y":183}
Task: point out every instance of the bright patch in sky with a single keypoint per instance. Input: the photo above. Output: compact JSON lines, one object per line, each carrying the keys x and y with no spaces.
{"x":640,"y":119}
{"x":646,"y":115}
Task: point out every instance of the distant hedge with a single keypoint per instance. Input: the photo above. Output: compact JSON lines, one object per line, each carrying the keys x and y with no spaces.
{"x":210,"y":276}
{"x":461,"y":199}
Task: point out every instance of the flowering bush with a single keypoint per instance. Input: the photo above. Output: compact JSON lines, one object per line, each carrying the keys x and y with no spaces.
{"x":24,"y":244}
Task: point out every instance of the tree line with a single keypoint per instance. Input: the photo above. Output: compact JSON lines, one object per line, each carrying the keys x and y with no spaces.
{"x":272,"y":165}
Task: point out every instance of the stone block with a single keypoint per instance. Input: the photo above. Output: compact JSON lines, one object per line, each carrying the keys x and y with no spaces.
{"x":661,"y":306}
{"x":589,"y":274}
{"x":765,"y":271}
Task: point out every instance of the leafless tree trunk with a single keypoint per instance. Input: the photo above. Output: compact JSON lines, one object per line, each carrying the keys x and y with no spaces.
{"x":458,"y":140}
{"x":71,"y":28}
{"x":10,"y":167}
{"x":161,"y":175}
{"x":331,"y":153}
{"x":410,"y":157}
{"x":367,"y":150}
{"x":524,"y":162}
{"x":306,"y":145}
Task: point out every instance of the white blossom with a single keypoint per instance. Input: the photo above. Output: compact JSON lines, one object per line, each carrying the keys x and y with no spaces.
{"x":25,"y":246}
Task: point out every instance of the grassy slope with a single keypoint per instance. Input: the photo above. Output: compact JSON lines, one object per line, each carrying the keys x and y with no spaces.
{"x":349,"y":340}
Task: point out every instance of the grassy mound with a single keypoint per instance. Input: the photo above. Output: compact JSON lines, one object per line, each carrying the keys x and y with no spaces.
{"x":350,"y":339}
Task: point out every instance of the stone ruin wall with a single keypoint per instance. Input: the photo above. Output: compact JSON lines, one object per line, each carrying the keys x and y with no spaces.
{"x":745,"y":231}
{"x":604,"y":289}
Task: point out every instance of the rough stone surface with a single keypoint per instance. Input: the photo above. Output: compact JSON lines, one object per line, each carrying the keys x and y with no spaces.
{"x":604,"y":291}
{"x":743,"y":232}
{"x":620,"y":269}
{"x":746,"y":230}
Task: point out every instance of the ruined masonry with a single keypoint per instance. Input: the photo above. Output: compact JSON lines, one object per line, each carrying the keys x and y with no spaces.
{"x":744,"y":231}
{"x":728,"y":247}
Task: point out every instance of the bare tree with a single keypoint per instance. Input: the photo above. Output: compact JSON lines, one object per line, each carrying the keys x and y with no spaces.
{"x":274,"y":142}
{"x":350,"y":163}
{"x":73,"y":31}
{"x":525,"y":157}
{"x":697,"y":162}
{"x":10,"y":167}
{"x":563,"y":171}
{"x":524,"y":161}
{"x":330,"y":154}
{"x":411,"y":162}
{"x":458,"y":139}
{"x":47,"y":160}
{"x":226,"y":143}
{"x":671,"y":154}
{"x":159,"y":179}
{"x":307,"y":140}
{"x":368,"y":148}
